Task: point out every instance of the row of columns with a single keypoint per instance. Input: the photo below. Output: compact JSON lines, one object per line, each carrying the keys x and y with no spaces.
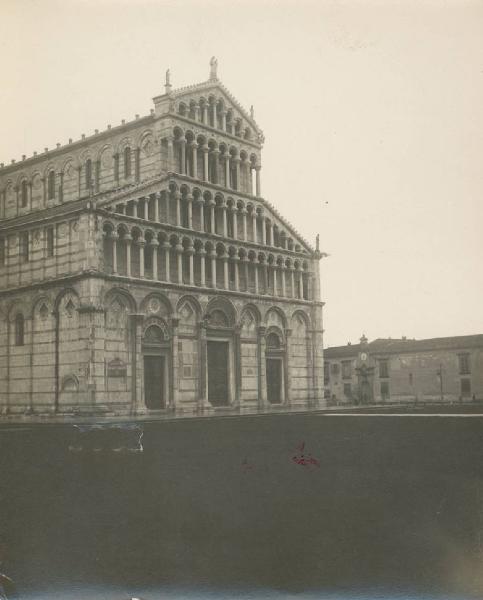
{"x":193,"y":147}
{"x":267,"y":226}
{"x":296,"y":285}
{"x":202,"y":115}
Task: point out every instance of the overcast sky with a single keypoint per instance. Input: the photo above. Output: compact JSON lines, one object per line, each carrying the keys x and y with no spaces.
{"x":372,"y":113}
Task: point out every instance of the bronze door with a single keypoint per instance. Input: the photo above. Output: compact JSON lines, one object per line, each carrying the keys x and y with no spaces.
{"x":274,"y":380}
{"x":218,"y":373}
{"x":154,"y":382}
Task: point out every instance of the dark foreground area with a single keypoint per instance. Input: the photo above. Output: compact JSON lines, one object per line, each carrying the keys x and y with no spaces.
{"x":335,"y":506}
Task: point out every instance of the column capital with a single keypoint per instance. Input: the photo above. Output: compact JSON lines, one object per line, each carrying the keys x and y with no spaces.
{"x":190,"y":250}
{"x":257,"y":167}
{"x":154,"y":243}
{"x":166,"y":245}
{"x":141,"y":242}
{"x":205,"y":148}
{"x":189,"y":197}
{"x":201,"y":252}
{"x":113,"y":235}
{"x":127,"y":237}
{"x":179,"y":248}
{"x":177,"y":195}
{"x":182,"y":140}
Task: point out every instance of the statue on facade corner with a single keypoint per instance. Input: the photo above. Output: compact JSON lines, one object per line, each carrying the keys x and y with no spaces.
{"x":317,"y":242}
{"x":213,"y":68}
{"x":252,"y":112}
{"x":168,"y":76}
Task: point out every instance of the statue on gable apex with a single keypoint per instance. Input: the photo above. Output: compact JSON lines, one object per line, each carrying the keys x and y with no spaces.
{"x":213,"y":68}
{"x":252,"y":112}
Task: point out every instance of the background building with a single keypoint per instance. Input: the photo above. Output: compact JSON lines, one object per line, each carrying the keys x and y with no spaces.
{"x":449,"y":369}
{"x":141,"y":269}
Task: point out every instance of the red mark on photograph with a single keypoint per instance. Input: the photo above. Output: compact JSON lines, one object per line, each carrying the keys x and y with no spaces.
{"x":304,"y":458}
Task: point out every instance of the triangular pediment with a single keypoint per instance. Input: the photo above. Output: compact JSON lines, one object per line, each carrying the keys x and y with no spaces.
{"x":207,"y":89}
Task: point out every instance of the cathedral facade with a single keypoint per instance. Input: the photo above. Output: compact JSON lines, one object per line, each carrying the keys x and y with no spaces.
{"x":142,"y":271}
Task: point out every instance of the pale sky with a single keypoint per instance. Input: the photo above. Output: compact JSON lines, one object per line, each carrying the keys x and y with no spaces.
{"x":372,"y":113}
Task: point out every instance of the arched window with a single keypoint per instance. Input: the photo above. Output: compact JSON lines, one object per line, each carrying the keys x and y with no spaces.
{"x":273,"y":341}
{"x":19,"y":330}
{"x":24,"y":194}
{"x":88,"y":173}
{"x":127,"y":161}
{"x":51,"y":185}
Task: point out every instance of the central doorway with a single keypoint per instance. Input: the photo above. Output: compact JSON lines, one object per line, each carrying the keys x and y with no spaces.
{"x":218,"y":373}
{"x":154,"y":379}
{"x":274,"y":380}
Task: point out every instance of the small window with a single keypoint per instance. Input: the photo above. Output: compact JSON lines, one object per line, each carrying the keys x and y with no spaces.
{"x":273,"y":341}
{"x":2,"y":252}
{"x":334,"y":368}
{"x":127,"y":162}
{"x":348,"y":390}
{"x":88,"y":173}
{"x":346,"y":369}
{"x":326,"y":373}
{"x":24,"y":197}
{"x":24,"y":247}
{"x":384,"y":390}
{"x":464,"y":360}
{"x":50,"y":241}
{"x":19,"y":330}
{"x":465,"y":387}
{"x":51,"y":185}
{"x":383,"y":368}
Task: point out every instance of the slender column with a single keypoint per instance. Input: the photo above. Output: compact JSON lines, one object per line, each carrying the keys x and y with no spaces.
{"x":212,"y":216}
{"x":202,"y":254}
{"x":182,"y":141}
{"x":227,"y":170}
{"x":250,"y":170}
{"x":267,"y":290}
{"x":146,"y":208}
{"x":179,"y":251}
{"x":223,"y":120}
{"x":194,"y":148}
{"x":237,"y":165}
{"x":225,"y":228}
{"x":201,"y":203}
{"x":292,"y":282}
{"x":284,"y":291}
{"x":258,"y":186}
{"x":264,"y":231}
{"x":213,"y":114}
{"x":189,"y":200}
{"x":300,"y":283}
{"x":157,"y":198}
{"x":254,"y":222}
{"x":237,"y":281}
{"x":197,"y":112}
{"x":215,"y":153}
{"x":255,"y":264}
{"x":114,"y":238}
{"x":244,"y":217}
{"x":128,"y":240}
{"x":275,"y":280}
{"x":177,"y":197}
{"x":205,"y":163}
{"x":134,"y":207}
{"x":141,"y":243}
{"x":170,"y":153}
{"x":167,"y":248}
{"x":288,"y":380}
{"x":262,"y":380}
{"x":205,"y":114}
{"x":245,"y":265}
{"x":174,"y":366}
{"x":190,"y":251}
{"x":213,"y":267}
{"x":226,"y":283}
{"x":154,"y":245}
{"x":270,"y":234}
{"x":235,"y":223}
